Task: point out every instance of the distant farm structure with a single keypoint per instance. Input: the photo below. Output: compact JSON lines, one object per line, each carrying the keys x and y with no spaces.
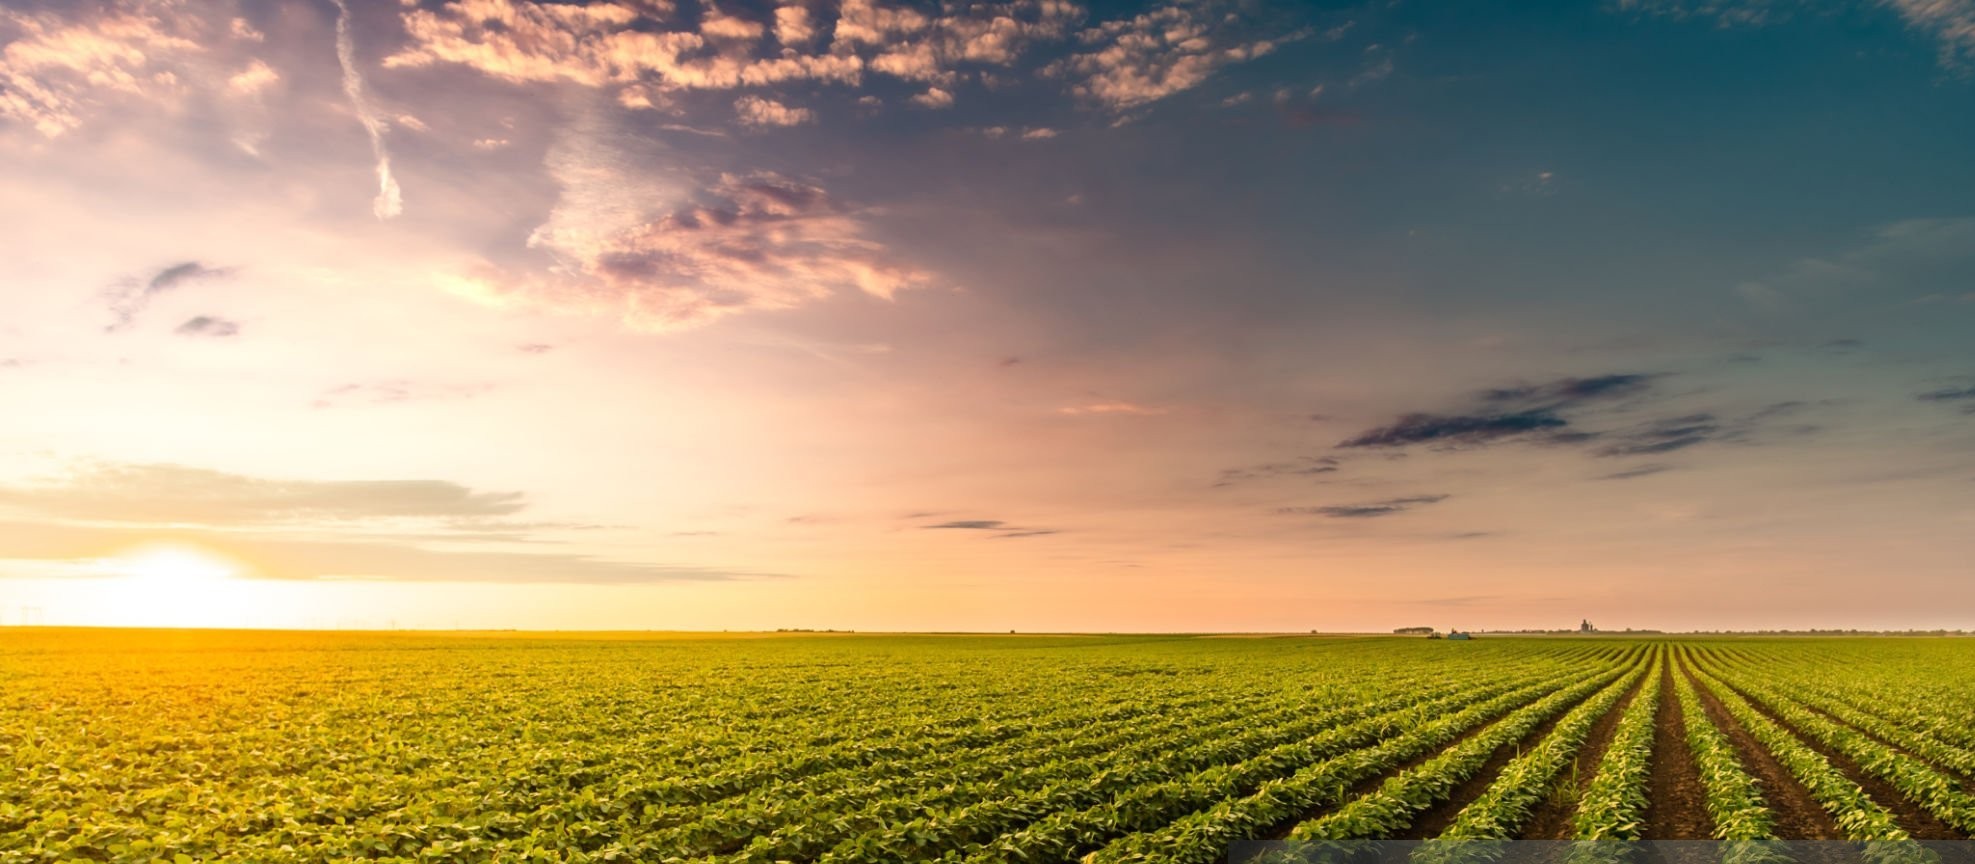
{"x":1414,"y":631}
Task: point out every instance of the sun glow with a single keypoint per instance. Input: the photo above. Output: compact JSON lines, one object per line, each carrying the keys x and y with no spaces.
{"x":174,"y":585}
{"x":171,"y":563}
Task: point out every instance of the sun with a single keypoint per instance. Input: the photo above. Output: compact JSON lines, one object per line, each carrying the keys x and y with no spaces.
{"x":174,"y":584}
{"x":171,"y":563}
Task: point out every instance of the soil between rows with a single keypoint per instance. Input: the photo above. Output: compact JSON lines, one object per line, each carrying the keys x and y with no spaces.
{"x":1797,"y":814}
{"x":1369,"y":786}
{"x":1554,"y":818}
{"x":1910,"y":815}
{"x":1965,"y":778}
{"x":1676,"y":807}
{"x":1435,"y":819}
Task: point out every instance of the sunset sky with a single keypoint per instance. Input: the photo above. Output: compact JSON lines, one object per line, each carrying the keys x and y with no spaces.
{"x":1012,"y":314}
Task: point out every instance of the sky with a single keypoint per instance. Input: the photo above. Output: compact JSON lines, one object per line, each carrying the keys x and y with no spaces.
{"x":1013,"y":314}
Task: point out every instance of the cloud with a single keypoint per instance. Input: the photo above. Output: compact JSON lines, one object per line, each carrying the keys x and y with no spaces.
{"x":1306,"y":466}
{"x":1665,"y":436}
{"x":934,"y":97}
{"x":1388,"y":507}
{"x":792,"y":25}
{"x":54,"y":71}
{"x":253,"y":80}
{"x":208,"y":326}
{"x":1099,"y":408}
{"x":599,"y":45}
{"x":308,"y":558}
{"x":1951,"y":394}
{"x":1679,"y":433}
{"x":1454,"y":429}
{"x":755,"y":241}
{"x":756,"y":111}
{"x":1507,"y":412}
{"x":392,"y":391}
{"x":1645,"y":470}
{"x":1950,"y":22}
{"x":1148,"y":57}
{"x":1565,"y":392}
{"x":969,"y":525}
{"x":1947,"y":394}
{"x":129,"y":298}
{"x":390,"y":200}
{"x":1000,"y":530}
{"x":1038,"y":133}
{"x":179,"y":494}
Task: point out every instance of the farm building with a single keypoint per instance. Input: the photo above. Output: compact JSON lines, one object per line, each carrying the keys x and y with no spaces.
{"x":1458,"y":635}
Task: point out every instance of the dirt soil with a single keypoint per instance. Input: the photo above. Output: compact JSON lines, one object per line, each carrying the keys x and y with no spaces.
{"x":1678,"y":808}
{"x":1553,"y":818}
{"x":1435,"y":819}
{"x":1911,"y":816}
{"x":1797,"y":815}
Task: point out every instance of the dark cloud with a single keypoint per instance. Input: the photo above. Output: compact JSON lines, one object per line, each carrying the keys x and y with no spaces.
{"x":1387,"y":507}
{"x":1001,"y":529}
{"x":179,"y":274}
{"x":1507,"y":412}
{"x":1679,"y":433}
{"x":1947,"y":394}
{"x":1454,"y":429}
{"x":177,"y":494}
{"x":1645,"y":470}
{"x":1306,"y":466}
{"x":1665,"y":436}
{"x":1566,"y":392}
{"x":970,"y":525}
{"x":208,"y":326}
{"x":129,"y":297}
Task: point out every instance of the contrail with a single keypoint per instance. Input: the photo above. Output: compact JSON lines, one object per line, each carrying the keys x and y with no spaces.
{"x":390,"y":202}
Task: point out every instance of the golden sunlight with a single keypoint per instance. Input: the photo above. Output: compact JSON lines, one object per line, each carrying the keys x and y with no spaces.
{"x":173,"y":585}
{"x":171,"y":563}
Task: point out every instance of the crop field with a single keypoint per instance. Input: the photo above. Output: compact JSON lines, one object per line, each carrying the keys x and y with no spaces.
{"x":276,"y":747}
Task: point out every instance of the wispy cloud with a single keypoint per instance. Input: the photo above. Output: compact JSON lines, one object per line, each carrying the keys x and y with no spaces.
{"x":178,"y":494}
{"x":129,"y":298}
{"x":393,"y":391}
{"x":1957,"y":395}
{"x":1645,"y":470}
{"x":308,"y":558}
{"x":996,"y":528}
{"x":1101,"y":408}
{"x":390,"y":200}
{"x":1369,"y":510}
{"x":1306,"y":466}
{"x":208,"y":327}
{"x":969,"y":525}
{"x":744,"y":242}
{"x":1505,"y":412}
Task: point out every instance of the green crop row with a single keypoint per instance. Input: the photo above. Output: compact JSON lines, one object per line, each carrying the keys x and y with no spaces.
{"x":1613,"y":804}
{"x":1932,"y":790}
